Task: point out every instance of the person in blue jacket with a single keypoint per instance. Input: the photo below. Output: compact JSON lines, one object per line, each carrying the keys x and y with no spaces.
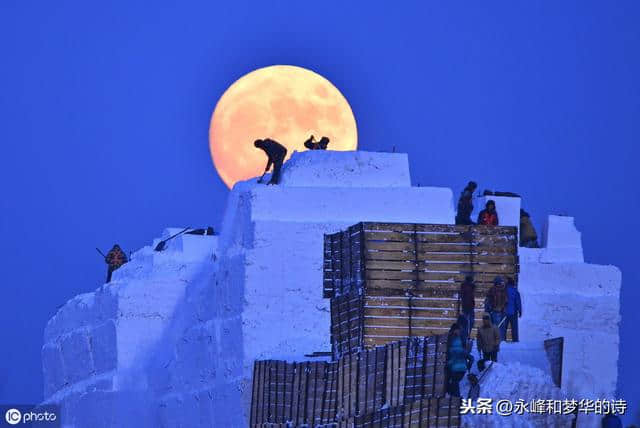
{"x":513,"y":310}
{"x":456,"y":360}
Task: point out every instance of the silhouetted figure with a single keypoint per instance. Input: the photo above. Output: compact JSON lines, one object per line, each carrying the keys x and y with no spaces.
{"x":276,"y":153}
{"x":114,"y":259}
{"x":528,"y":235}
{"x":312,"y":144}
{"x":488,"y":216}
{"x":465,"y":204}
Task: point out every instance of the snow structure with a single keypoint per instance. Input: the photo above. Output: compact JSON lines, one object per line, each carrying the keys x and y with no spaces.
{"x":171,"y":341}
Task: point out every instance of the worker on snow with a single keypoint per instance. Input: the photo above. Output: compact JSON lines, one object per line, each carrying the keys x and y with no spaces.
{"x":465,"y":204}
{"x":114,"y":259}
{"x":488,"y":339}
{"x":495,"y":304}
{"x":276,"y":153}
{"x":489,"y":215}
{"x":513,"y":310}
{"x":528,"y":235}
{"x":456,"y":360}
{"x":312,"y":144}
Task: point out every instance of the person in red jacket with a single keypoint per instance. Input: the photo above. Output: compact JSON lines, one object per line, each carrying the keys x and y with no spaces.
{"x":114,"y":259}
{"x":488,"y":216}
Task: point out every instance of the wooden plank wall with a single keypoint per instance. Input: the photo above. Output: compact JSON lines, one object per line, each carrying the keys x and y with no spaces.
{"x":343,"y":262}
{"x":347,"y":323}
{"x":412,"y":275}
{"x":425,"y":413}
{"x":302,"y":393}
{"x":357,"y":384}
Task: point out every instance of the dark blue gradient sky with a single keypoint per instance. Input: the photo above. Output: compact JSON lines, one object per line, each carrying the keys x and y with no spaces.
{"x":105,"y":109}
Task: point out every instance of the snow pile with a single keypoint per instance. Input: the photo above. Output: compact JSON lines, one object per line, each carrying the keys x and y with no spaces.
{"x":327,"y":168}
{"x":513,"y":381}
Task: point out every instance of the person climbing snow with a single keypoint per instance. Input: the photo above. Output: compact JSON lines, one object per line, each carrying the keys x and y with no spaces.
{"x":495,"y":304}
{"x":456,"y":360}
{"x":465,"y":204}
{"x":528,"y":235}
{"x":513,"y":310}
{"x":489,"y":216}
{"x":114,"y":259}
{"x":488,"y":340}
{"x":312,"y":144}
{"x":276,"y":153}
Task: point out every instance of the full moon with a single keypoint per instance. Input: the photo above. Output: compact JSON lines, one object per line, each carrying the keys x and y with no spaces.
{"x":281,"y":102}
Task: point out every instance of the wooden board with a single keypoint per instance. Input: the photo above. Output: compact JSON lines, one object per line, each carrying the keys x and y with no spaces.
{"x":360,"y":383}
{"x":420,"y":266}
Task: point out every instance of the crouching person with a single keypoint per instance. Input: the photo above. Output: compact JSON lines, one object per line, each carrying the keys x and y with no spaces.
{"x":488,"y":339}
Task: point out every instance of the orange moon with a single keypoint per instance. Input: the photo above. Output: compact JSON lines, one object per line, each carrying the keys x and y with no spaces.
{"x":282,"y":102}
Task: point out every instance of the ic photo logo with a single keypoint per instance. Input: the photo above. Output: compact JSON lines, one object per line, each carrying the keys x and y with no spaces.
{"x":31,"y":415}
{"x":13,"y":416}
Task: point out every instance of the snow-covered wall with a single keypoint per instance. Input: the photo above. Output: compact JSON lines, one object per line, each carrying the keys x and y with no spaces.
{"x":100,"y":349}
{"x":562,"y":241}
{"x":269,"y":273}
{"x":580,"y":302}
{"x":172,"y":340}
{"x":347,"y":169}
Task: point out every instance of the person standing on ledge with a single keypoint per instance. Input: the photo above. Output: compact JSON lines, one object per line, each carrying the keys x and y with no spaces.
{"x":276,"y":153}
{"x":488,"y":216}
{"x":465,"y":204}
{"x":114,"y":259}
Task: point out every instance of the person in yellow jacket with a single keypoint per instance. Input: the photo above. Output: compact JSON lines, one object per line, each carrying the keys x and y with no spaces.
{"x":488,"y":339}
{"x":528,"y":235}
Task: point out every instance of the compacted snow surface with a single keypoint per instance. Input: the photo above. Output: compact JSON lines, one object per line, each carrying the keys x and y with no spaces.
{"x":514,"y":381}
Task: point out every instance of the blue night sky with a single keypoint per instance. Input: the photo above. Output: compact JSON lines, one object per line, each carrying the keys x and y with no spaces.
{"x":105,"y":110}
